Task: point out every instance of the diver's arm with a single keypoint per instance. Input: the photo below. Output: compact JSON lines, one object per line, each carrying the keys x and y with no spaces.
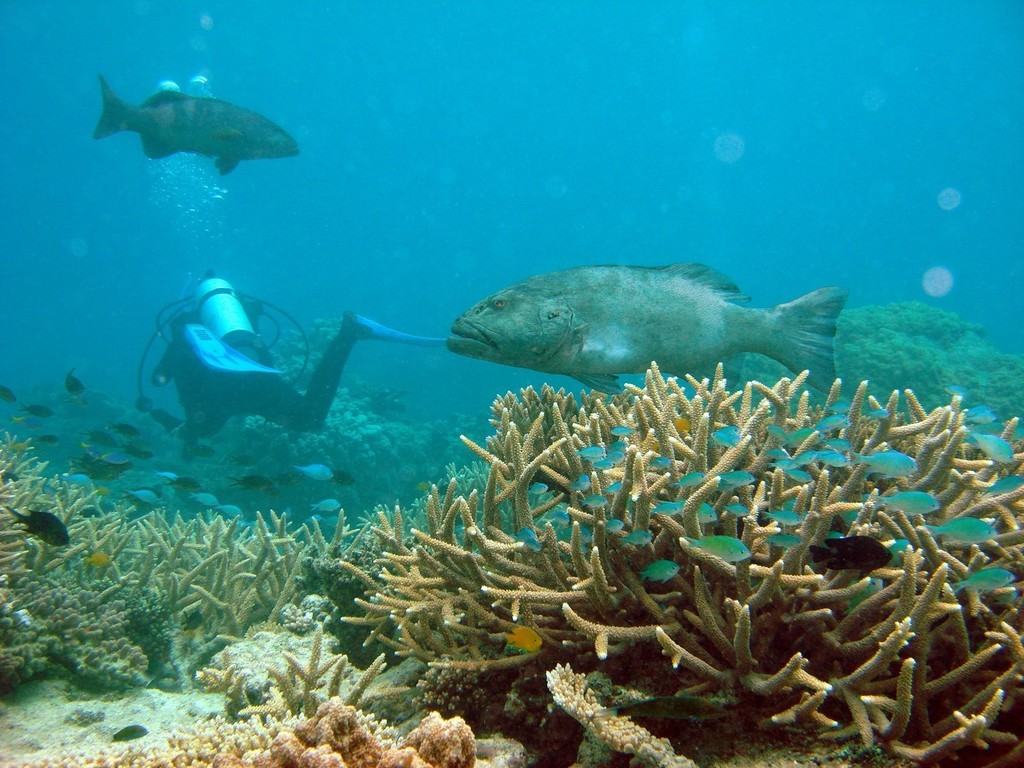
{"x":168,"y":421}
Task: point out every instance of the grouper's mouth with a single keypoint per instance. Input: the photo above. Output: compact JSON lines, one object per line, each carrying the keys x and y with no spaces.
{"x":473,"y":340}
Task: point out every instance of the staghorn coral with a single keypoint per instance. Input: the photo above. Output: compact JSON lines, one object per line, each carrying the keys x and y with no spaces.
{"x":255,"y":682}
{"x":903,"y":661}
{"x":117,"y":622}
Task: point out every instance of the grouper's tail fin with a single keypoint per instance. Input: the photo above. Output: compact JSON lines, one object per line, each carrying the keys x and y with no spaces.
{"x":115,"y":112}
{"x":805,"y":334}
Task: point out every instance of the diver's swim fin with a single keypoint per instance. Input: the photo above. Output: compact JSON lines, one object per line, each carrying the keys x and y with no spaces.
{"x":217,"y":355}
{"x":374,"y":330}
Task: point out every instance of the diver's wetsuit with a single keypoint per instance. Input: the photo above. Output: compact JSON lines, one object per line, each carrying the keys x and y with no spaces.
{"x":210,"y":397}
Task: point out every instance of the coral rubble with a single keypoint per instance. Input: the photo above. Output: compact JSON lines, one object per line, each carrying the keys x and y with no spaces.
{"x":899,"y":657}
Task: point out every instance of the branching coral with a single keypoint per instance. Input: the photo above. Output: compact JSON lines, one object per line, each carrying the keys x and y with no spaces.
{"x":569,"y":691}
{"x":902,"y":659}
{"x":256,"y":682}
{"x":111,"y":622}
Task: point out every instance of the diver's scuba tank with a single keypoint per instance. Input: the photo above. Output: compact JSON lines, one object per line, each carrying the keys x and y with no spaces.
{"x":222,"y":313}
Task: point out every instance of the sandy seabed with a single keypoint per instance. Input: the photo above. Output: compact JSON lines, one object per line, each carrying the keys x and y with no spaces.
{"x":50,"y":718}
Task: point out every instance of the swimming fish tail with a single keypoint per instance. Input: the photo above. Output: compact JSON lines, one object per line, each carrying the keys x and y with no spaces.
{"x":116,"y":113}
{"x":805,"y":334}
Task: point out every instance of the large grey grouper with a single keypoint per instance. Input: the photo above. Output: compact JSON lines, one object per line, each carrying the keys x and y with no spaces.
{"x":594,"y":322}
{"x":171,"y":121}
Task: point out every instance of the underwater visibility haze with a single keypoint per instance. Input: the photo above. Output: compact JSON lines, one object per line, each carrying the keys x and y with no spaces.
{"x":839,"y":187}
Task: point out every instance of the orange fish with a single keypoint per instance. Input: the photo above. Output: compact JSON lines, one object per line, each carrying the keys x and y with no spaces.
{"x":524,"y":638}
{"x":98,"y":559}
{"x":683,"y":425}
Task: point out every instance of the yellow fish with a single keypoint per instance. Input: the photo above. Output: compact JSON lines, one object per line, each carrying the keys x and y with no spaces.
{"x":683,"y":425}
{"x":525,"y":639}
{"x":98,"y":559}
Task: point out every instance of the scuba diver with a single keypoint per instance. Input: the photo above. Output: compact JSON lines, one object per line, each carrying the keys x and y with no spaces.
{"x":221,"y":367}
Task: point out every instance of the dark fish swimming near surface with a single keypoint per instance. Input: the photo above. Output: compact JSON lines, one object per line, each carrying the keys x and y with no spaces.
{"x":595,"y":322}
{"x":341,"y":477}
{"x":255,"y":483}
{"x":138,"y":450}
{"x":171,"y":121}
{"x":186,"y":484}
{"x":38,"y":410}
{"x":861,"y":553}
{"x":46,"y":525}
{"x":124,"y":429}
{"x":73,"y":384}
{"x":674,"y":707}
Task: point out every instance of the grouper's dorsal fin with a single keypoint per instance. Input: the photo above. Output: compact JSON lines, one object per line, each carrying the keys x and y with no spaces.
{"x":165,"y":97}
{"x":705,"y":275}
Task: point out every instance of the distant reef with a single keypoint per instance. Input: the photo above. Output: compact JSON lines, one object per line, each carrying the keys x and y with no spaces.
{"x":926,"y":349}
{"x":910,"y":345}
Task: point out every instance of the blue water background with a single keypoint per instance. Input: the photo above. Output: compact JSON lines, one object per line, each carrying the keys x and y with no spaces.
{"x":449,"y":149}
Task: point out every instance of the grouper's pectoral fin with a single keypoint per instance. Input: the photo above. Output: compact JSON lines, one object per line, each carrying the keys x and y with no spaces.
{"x":226,"y":164}
{"x":602,"y":382}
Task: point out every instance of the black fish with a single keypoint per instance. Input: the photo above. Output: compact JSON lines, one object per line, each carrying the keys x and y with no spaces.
{"x":7,"y":394}
{"x":341,"y":477}
{"x":48,"y":439}
{"x":138,"y":450}
{"x":170,"y":121}
{"x":191,"y":620}
{"x":255,"y":483}
{"x":186,"y":484}
{"x":675,"y":707}
{"x":861,"y":553}
{"x":39,"y":411}
{"x":72,"y":384}
{"x":124,"y":428}
{"x":101,"y":437}
{"x":130,"y":732}
{"x":45,"y":525}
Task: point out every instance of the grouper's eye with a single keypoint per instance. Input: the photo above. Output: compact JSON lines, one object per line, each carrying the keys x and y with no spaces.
{"x":499,"y":303}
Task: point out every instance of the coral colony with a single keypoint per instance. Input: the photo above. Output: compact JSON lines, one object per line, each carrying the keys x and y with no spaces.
{"x":901,"y":658}
{"x":846,"y":569}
